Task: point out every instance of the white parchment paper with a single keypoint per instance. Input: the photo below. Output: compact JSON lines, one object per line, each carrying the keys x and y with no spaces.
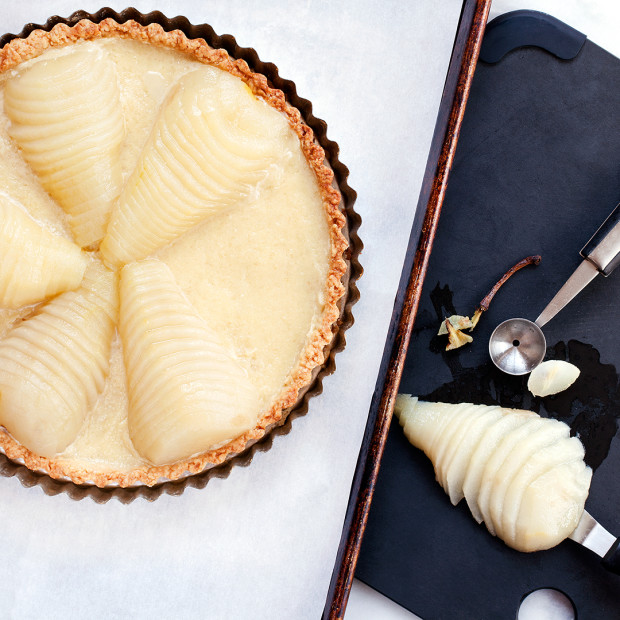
{"x":261,"y":543}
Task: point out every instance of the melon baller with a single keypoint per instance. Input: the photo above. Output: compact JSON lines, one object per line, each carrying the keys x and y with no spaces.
{"x":518,"y":345}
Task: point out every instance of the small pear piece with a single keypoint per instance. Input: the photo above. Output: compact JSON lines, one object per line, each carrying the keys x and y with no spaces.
{"x":551,"y":377}
{"x":54,"y":364}
{"x":36,"y":263}
{"x":187,"y":392}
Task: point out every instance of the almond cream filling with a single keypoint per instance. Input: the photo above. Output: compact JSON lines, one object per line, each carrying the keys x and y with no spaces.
{"x":256,"y":273}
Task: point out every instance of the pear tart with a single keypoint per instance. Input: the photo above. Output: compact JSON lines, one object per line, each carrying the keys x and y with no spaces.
{"x":172,"y":254}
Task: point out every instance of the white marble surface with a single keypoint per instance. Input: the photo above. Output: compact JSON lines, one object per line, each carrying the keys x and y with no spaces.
{"x":600,"y":21}
{"x":261,"y":543}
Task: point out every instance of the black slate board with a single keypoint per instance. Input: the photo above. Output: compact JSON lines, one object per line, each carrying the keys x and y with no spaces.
{"x":537,"y":170}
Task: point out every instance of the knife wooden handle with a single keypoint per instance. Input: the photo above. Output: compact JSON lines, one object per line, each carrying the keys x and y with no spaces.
{"x":611,"y":561}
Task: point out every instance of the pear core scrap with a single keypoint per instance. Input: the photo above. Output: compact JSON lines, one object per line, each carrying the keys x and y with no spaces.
{"x":521,"y":474}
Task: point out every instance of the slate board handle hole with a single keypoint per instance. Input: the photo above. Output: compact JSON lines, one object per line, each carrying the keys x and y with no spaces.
{"x":546,"y":604}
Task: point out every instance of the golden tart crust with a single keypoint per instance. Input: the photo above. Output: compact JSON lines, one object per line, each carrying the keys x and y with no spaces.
{"x":312,"y":358}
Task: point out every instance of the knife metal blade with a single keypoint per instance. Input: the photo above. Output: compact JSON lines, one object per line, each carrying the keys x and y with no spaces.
{"x":592,"y":535}
{"x":581,"y":277}
{"x":601,"y":254}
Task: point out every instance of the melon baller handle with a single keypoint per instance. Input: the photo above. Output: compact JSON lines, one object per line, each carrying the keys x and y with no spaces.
{"x":517,"y":346}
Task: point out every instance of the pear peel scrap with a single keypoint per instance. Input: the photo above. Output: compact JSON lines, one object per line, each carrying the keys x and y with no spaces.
{"x":456,"y":338}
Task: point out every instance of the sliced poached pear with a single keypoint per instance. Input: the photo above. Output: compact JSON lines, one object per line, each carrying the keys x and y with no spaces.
{"x":510,"y":419}
{"x":54,"y":364}
{"x":456,"y":467}
{"x":507,"y":464}
{"x":548,"y":432}
{"x":551,"y":506}
{"x":563,"y":450}
{"x":66,"y":118}
{"x":212,"y":143}
{"x":36,"y":263}
{"x":187,"y":392}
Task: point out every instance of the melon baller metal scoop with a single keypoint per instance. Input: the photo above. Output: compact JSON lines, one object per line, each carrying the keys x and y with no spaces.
{"x":517,"y":346}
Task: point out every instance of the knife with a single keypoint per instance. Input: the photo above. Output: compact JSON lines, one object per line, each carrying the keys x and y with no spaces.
{"x":601,"y":255}
{"x":592,"y":535}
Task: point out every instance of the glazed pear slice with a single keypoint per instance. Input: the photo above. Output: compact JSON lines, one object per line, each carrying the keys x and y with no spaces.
{"x":442,"y":448}
{"x":458,"y":464}
{"x":425,"y":426}
{"x":428,"y":427}
{"x":564,"y":450}
{"x":187,"y":393}
{"x":509,"y":421}
{"x":495,"y":461}
{"x":551,"y":506}
{"x":548,"y":433}
{"x":211,"y":145}
{"x":461,"y":418}
{"x":54,"y":364}
{"x":66,"y":118}
{"x":36,"y":263}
